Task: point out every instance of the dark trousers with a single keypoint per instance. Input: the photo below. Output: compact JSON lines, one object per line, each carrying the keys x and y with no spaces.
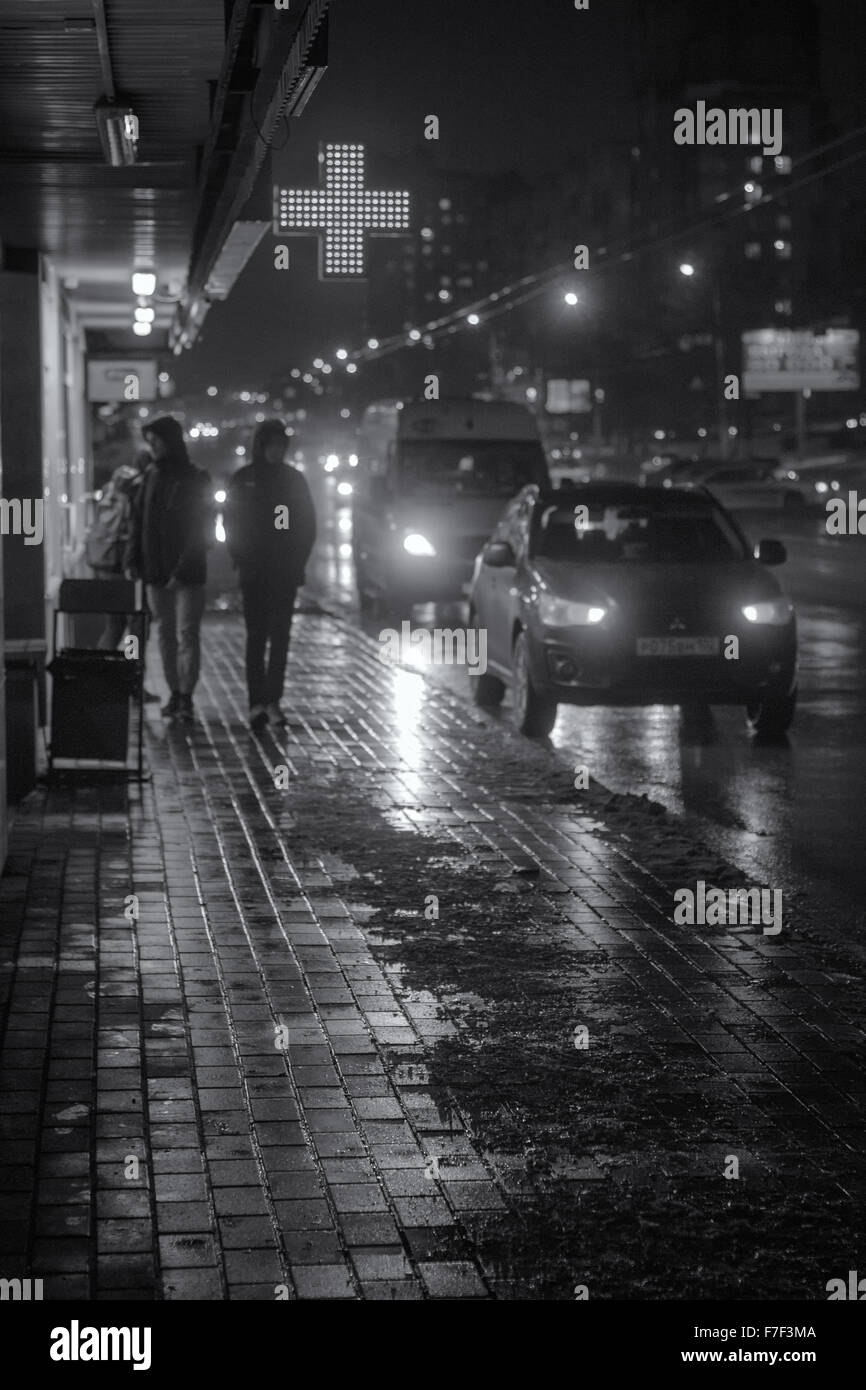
{"x":268,"y":616}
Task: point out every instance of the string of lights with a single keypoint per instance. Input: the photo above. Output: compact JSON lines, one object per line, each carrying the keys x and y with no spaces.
{"x":532,"y":286}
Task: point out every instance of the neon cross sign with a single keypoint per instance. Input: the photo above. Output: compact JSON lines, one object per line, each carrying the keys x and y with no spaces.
{"x":341,"y":210}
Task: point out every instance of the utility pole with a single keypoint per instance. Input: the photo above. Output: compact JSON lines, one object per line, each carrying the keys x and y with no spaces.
{"x":719,"y":383}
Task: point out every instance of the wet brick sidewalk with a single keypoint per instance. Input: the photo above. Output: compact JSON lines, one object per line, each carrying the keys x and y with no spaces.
{"x":317,"y":1040}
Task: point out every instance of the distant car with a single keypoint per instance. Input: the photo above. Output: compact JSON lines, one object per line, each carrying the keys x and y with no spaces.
{"x":751,"y":486}
{"x":676,"y":471}
{"x":613,"y":594}
{"x":433,"y":478}
{"x":806,"y":470}
{"x":565,"y":471}
{"x":341,"y":469}
{"x":822,"y":484}
{"x":654,"y":464}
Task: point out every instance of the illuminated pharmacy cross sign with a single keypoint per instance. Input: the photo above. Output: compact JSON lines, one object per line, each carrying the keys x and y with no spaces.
{"x":341,"y":210}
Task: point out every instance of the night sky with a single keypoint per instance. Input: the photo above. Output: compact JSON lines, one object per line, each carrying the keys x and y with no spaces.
{"x":516,"y":84}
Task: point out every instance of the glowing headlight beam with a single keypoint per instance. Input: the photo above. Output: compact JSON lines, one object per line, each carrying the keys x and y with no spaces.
{"x":418,"y":545}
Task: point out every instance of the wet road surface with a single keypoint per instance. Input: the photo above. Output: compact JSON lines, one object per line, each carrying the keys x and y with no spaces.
{"x":785,"y":813}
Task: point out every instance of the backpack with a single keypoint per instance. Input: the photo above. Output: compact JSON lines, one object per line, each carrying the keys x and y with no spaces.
{"x":106,"y":539}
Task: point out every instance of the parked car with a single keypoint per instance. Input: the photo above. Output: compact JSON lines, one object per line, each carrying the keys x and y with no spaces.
{"x":612,"y":594}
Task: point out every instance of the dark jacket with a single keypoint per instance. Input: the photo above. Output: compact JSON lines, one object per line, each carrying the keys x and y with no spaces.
{"x":267,"y":553}
{"x":171,"y":518}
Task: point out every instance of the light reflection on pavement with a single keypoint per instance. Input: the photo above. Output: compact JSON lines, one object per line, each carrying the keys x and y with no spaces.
{"x":782,"y":813}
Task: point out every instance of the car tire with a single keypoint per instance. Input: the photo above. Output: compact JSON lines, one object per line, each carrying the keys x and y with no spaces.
{"x":534,"y":714}
{"x":486,"y":690}
{"x":773,"y":718}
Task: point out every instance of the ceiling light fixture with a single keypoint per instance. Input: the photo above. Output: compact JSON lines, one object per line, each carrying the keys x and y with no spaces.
{"x":118,"y":129}
{"x":143,"y":283}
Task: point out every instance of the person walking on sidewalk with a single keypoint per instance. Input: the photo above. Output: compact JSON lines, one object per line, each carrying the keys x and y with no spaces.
{"x":270,"y":526}
{"x":168,"y":550}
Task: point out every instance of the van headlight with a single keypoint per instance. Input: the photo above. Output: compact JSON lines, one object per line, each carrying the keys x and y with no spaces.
{"x":563,"y":612}
{"x":418,"y":545}
{"x":775,"y":612}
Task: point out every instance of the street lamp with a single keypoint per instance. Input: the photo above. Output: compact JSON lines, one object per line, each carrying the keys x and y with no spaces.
{"x":688,"y":269}
{"x":571,"y":298}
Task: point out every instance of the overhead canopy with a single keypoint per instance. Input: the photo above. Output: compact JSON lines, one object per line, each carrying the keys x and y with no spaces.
{"x":189,"y":71}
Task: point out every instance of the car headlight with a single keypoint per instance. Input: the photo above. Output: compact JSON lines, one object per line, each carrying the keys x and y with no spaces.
{"x":415,"y":544}
{"x":563,"y":612}
{"x":344,"y":489}
{"x":821,"y":487}
{"x":775,"y":611}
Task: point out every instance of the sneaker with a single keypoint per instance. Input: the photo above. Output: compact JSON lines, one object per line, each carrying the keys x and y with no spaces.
{"x":258,"y":719}
{"x":186,"y":710}
{"x":173,"y":706}
{"x":276,"y":717}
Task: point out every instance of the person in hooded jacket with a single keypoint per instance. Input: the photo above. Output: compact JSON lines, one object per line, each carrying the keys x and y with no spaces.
{"x":270,"y":527}
{"x":168,"y":550}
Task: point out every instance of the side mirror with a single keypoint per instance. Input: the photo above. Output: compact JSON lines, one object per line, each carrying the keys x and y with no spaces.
{"x":771,"y":552}
{"x":498,"y":555}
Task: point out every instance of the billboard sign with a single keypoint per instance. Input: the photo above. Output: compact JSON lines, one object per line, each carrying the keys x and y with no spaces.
{"x":568,"y":398}
{"x":785,"y":359}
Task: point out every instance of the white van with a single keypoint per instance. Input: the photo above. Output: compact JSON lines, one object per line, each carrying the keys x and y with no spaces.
{"x":433,"y":479}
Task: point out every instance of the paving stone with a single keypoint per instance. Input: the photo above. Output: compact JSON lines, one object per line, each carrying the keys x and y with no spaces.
{"x":324,"y":1281}
{"x":253,"y":1267}
{"x":200,"y":1285}
{"x":381,"y":1262}
{"x":458,"y":1280}
{"x":312,"y":1247}
{"x":304,"y":1215}
{"x":241,"y":1201}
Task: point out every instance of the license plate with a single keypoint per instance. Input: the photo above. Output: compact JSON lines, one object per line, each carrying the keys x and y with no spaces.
{"x":678,"y":646}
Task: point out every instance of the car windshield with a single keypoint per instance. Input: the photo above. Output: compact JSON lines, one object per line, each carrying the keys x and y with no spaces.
{"x":475,"y":468}
{"x":616,"y":533}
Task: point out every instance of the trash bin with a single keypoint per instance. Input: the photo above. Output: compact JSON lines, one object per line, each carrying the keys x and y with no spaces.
{"x":90,"y":704}
{"x":92,"y":688}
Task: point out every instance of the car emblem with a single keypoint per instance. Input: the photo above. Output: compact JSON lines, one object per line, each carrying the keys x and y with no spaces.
{"x":676,"y":625}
